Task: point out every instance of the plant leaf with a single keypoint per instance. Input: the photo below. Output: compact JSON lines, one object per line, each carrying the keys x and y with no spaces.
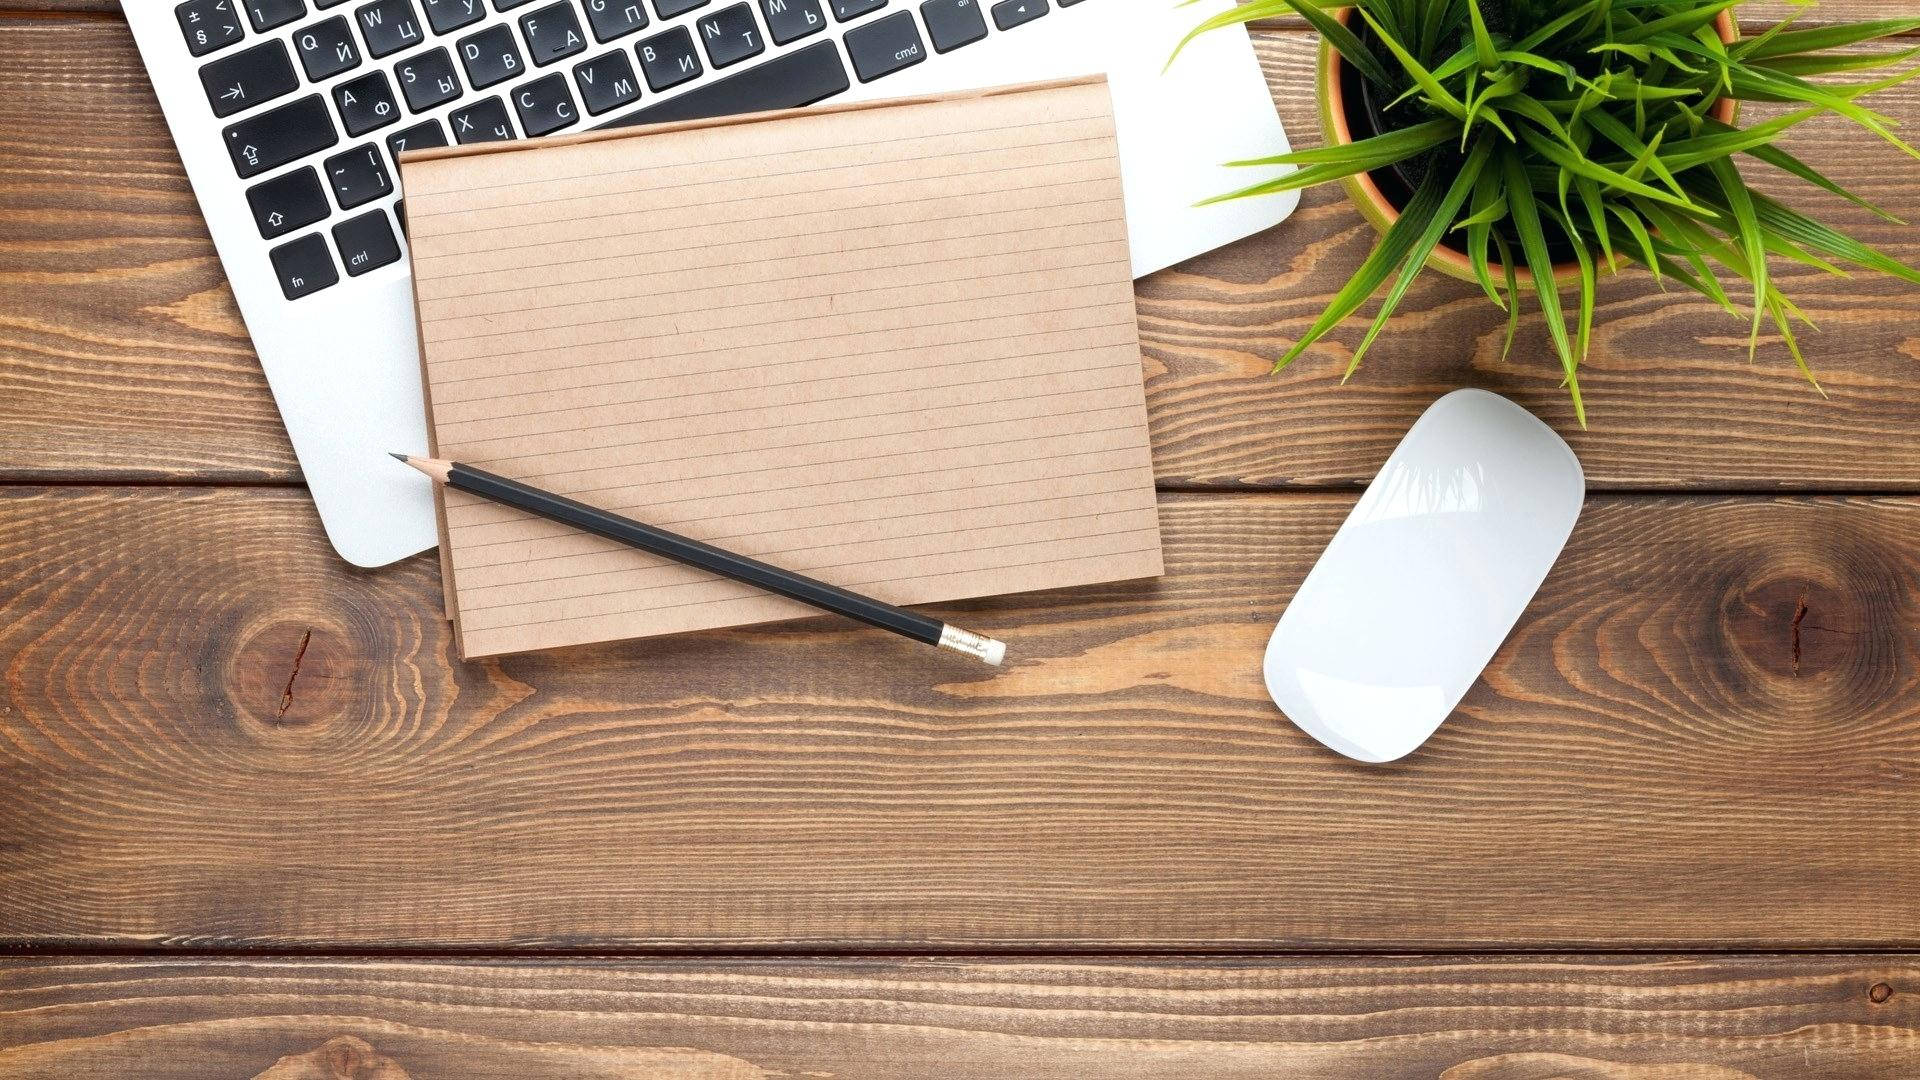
{"x":1434,"y":92}
{"x":1533,"y":241}
{"x":1823,"y":37}
{"x":1513,"y":293}
{"x":1684,"y":21}
{"x":1388,"y":253}
{"x":1482,"y":41}
{"x":1740,"y":202}
{"x":1430,"y":235}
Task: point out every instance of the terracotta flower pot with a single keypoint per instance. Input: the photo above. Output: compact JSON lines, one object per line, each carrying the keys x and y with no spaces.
{"x":1365,"y":190}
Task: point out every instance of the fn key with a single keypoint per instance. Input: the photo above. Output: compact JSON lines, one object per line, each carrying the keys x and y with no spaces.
{"x":304,"y":266}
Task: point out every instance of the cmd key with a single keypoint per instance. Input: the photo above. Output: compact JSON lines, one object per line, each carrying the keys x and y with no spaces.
{"x":270,"y":139}
{"x":884,"y":46}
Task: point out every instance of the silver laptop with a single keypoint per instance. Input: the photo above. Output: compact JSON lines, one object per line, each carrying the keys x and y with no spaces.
{"x":289,"y":115}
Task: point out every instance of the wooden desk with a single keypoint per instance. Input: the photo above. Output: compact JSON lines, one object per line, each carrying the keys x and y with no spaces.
{"x":250,"y":808}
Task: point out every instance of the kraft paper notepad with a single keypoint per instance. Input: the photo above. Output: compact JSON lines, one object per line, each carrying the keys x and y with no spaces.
{"x":888,"y":345}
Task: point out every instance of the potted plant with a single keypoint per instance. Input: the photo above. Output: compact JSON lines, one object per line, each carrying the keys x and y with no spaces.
{"x":1528,"y":144}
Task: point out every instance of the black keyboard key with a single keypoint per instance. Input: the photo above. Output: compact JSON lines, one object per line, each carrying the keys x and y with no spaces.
{"x":606,"y":82}
{"x":545,"y":106}
{"x":327,"y":49}
{"x":418,"y":137}
{"x":289,"y":202}
{"x":552,"y":33}
{"x":791,"y":20}
{"x":731,"y":35}
{"x":615,"y":18}
{"x":669,"y":8}
{"x":358,"y":175}
{"x":267,"y":14}
{"x":270,"y":139}
{"x":304,"y":267}
{"x":249,"y":77}
{"x":400,"y":214}
{"x":389,"y":26}
{"x":953,"y":23}
{"x":366,"y":243}
{"x":668,"y":59}
{"x":483,"y":121}
{"x":853,"y":9}
{"x":208,"y":25}
{"x":509,"y":5}
{"x":789,"y":80}
{"x":328,"y":3}
{"x":1008,"y":14}
{"x":428,"y":79}
{"x":446,"y":16}
{"x":885,"y":46}
{"x":490,"y":56}
{"x":366,"y":103}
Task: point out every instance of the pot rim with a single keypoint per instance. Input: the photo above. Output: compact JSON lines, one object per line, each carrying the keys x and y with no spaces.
{"x":1361,"y":186}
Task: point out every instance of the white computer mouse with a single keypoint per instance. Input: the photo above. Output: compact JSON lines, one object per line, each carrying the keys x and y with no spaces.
{"x":1426,"y":577}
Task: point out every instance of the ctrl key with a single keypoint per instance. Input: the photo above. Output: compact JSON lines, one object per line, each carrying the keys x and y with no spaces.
{"x":366,"y":242}
{"x":304,"y":266}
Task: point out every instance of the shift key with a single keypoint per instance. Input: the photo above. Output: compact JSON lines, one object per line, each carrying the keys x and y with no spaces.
{"x":275,"y":137}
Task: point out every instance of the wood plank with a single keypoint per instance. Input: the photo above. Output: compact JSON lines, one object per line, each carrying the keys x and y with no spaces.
{"x":125,"y":358}
{"x":1759,"y":12}
{"x":1630,"y":1018}
{"x":122,"y":354}
{"x":1705,"y":733}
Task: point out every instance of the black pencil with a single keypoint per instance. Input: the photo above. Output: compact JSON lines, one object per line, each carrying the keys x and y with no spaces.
{"x":707,"y":557}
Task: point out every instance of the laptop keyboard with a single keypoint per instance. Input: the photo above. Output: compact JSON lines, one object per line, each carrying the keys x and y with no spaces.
{"x":322,"y":141}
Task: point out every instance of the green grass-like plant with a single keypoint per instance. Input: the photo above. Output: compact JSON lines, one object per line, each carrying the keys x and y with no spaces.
{"x":1537,"y":126}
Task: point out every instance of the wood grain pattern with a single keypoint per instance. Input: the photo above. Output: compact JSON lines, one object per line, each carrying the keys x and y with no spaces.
{"x":121,"y":356}
{"x":1761,"y":12}
{"x":1706,"y":732}
{"x":1462,"y":1018}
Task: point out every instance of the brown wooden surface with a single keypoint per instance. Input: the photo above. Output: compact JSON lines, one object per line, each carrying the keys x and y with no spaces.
{"x":1359,"y":1018}
{"x":1704,"y":734}
{"x":125,"y":358}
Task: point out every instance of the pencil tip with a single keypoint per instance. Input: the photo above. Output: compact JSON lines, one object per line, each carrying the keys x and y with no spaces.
{"x":397,"y":457}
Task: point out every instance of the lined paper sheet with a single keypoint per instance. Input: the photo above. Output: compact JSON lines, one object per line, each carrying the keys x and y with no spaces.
{"x":891,"y":346}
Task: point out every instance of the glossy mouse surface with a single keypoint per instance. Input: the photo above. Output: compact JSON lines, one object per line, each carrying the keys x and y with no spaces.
{"x":1425,"y":578}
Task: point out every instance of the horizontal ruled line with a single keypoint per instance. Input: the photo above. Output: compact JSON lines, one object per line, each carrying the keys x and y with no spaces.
{"x":708,"y":162}
{"x":577,"y":492}
{"x":817,"y":442}
{"x":709,"y":183}
{"x":757,"y":305}
{"x":519,"y":414}
{"x":813,"y":571}
{"x":682,"y":273}
{"x":751,"y":240}
{"x":511,"y":516}
{"x":731,"y":542}
{"x":710,"y":328}
{"x":472,"y":546}
{"x":429,"y":255}
{"x":758,"y":595}
{"x":816,"y":401}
